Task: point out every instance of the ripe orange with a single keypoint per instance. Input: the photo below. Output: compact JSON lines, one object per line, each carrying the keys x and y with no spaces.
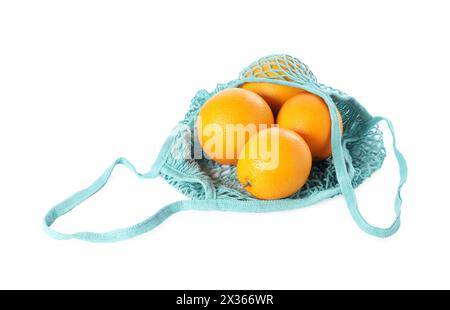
{"x":274,"y":68}
{"x":228,"y":119}
{"x":274,"y":94}
{"x":308,"y":115}
{"x":274,"y":164}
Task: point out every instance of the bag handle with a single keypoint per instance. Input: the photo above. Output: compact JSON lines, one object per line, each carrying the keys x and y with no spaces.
{"x":115,"y":235}
{"x":345,"y":182}
{"x":119,"y":234}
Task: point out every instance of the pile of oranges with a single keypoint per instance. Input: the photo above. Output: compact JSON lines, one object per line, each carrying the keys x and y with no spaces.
{"x":271,"y":132}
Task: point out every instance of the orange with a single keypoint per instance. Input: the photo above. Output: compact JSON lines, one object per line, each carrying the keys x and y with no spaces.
{"x":274,"y":68}
{"x":228,"y":119}
{"x":308,"y":115}
{"x":274,"y":94}
{"x":274,"y":164}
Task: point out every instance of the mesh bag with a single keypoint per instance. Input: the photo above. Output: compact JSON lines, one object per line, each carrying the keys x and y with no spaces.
{"x":212,"y":186}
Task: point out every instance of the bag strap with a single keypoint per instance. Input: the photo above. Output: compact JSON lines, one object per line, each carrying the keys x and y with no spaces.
{"x":115,"y":235}
{"x":119,"y":234}
{"x":347,"y":188}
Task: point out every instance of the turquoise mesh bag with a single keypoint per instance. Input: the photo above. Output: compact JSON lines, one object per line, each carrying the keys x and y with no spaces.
{"x":212,"y":186}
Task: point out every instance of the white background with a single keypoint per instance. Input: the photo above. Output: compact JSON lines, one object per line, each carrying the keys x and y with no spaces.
{"x":84,"y":82}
